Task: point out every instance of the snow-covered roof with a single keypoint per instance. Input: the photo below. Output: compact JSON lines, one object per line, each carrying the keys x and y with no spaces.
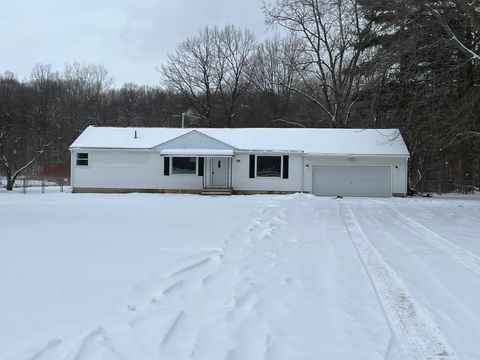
{"x":196,"y":152}
{"x":308,"y":140}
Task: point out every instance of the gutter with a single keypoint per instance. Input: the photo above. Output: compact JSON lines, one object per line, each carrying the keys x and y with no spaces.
{"x":358,"y":155}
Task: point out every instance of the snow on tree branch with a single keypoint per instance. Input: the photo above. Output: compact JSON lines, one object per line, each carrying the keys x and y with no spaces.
{"x":460,"y":45}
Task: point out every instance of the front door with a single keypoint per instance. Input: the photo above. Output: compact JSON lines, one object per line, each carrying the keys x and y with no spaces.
{"x":219,"y":171}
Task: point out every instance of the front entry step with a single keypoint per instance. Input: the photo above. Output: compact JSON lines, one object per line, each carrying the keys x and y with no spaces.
{"x":217,"y":191}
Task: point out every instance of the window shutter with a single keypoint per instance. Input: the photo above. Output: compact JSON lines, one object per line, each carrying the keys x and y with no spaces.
{"x":201,"y":161}
{"x":252,"y":167}
{"x":166,"y":166}
{"x":285,"y":166}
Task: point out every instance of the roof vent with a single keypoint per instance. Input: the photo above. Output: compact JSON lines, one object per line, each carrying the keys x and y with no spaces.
{"x":135,"y":134}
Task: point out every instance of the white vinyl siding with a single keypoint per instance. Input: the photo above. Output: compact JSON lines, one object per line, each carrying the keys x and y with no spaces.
{"x":242,"y":181}
{"x":141,"y":169}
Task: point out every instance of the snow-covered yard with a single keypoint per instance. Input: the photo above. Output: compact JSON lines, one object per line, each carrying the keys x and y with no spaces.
{"x":244,"y":277}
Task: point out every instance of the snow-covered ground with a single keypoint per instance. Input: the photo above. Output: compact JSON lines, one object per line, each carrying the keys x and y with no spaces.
{"x":243,"y":277}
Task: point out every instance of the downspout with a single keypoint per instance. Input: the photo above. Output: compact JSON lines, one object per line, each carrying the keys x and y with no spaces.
{"x":71,"y":169}
{"x":303,"y":172}
{"x":231,"y":171}
{"x":406,"y":175}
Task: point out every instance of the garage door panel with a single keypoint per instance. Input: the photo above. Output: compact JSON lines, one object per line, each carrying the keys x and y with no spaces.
{"x":352,"y":180}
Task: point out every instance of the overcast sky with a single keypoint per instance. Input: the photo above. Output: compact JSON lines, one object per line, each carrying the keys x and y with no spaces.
{"x":129,"y":37}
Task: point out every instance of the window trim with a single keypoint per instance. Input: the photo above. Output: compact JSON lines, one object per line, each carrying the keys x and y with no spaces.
{"x":194,"y":173}
{"x":268,"y":177}
{"x":77,"y":159}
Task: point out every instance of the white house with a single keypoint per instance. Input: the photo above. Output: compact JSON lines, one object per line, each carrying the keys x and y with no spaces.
{"x":347,"y":162}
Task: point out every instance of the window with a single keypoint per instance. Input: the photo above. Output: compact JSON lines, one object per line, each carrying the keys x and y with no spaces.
{"x":82,"y":159}
{"x":269,"y":166}
{"x":184,"y":165}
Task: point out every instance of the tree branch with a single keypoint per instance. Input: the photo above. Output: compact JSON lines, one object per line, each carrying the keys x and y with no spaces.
{"x":461,"y":46}
{"x":289,"y":122}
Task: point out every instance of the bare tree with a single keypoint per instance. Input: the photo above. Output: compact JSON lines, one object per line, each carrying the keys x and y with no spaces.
{"x":212,"y":68}
{"x":235,"y":49}
{"x":274,"y":73}
{"x":86,"y":86}
{"x":28,"y":115}
{"x":196,"y":71}
{"x":333,"y":33}
{"x":129,"y":96}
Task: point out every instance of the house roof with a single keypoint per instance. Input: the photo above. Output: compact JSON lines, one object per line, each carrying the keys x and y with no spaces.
{"x":197,"y":152}
{"x":308,"y":140}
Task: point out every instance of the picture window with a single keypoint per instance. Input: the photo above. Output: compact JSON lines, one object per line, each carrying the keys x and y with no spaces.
{"x":269,"y":166}
{"x":184,"y":165}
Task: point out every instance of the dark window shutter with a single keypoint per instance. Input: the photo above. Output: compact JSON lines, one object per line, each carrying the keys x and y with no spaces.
{"x":285,"y":166}
{"x":166,"y":166}
{"x":252,"y":167}
{"x":201,"y":161}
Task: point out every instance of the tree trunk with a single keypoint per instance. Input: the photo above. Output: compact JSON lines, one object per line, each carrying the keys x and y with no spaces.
{"x":10,"y":183}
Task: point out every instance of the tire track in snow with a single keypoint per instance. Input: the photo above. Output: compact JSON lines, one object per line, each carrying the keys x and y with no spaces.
{"x":466,"y":257}
{"x":416,"y":335}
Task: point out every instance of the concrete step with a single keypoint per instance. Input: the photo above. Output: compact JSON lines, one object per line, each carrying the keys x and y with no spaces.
{"x":217,"y":191}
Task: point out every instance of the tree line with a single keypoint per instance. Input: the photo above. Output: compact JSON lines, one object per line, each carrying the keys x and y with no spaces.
{"x":412,"y":65}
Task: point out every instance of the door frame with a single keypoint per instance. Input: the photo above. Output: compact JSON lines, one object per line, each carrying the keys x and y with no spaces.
{"x":211,"y":164}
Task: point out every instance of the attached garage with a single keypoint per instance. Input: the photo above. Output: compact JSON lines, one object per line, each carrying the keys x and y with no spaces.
{"x":352,"y":180}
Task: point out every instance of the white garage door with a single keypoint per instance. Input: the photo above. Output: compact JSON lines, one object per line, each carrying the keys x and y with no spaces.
{"x":352,"y":180}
